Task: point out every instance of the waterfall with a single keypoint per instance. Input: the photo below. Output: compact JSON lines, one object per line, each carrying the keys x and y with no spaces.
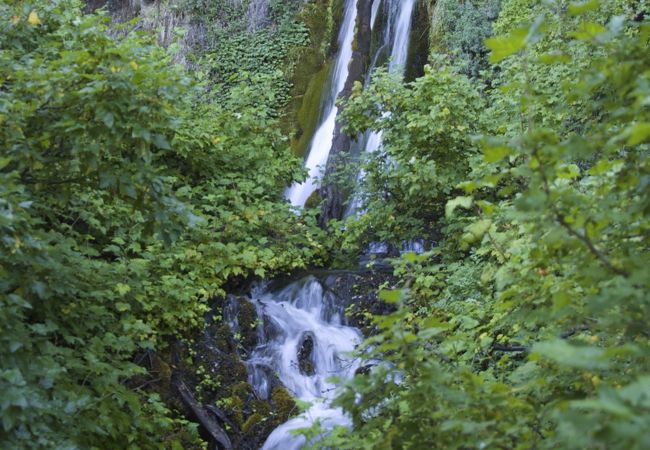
{"x":397,"y":33}
{"x":304,"y":340}
{"x":321,"y":143}
{"x":399,"y":53}
{"x":397,"y":30}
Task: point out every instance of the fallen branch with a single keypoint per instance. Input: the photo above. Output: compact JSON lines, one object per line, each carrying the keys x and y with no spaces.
{"x":205,"y":419}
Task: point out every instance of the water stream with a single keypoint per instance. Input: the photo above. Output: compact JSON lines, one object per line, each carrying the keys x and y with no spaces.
{"x":304,"y":341}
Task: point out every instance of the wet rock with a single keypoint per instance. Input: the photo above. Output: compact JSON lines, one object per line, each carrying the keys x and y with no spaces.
{"x":360,"y":289}
{"x":364,"y":370}
{"x":306,"y":354}
{"x":265,"y":379}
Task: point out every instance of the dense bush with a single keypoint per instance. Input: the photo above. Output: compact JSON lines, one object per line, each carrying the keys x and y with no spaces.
{"x":258,"y":46}
{"x":526,"y":326}
{"x":460,"y":29}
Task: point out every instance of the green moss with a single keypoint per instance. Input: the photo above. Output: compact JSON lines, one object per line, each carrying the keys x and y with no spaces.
{"x":336,"y":9}
{"x":311,"y":72}
{"x":309,"y":76}
{"x":284,"y":404}
{"x":309,"y":111}
{"x":223,"y":337}
{"x":247,"y":318}
{"x":419,"y":43}
{"x":262,"y":407}
{"x":252,"y":420}
{"x":239,"y":371}
{"x":314,"y":200}
{"x":236,"y":408}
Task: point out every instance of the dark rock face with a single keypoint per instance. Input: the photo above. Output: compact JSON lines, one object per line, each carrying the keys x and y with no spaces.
{"x":206,"y":378}
{"x":418,"y":42}
{"x":333,"y":194}
{"x":359,"y":289}
{"x":306,"y":354}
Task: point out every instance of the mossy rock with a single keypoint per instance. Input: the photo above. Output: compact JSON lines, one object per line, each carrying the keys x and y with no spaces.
{"x":252,"y":421}
{"x":262,"y":407}
{"x":242,"y":390}
{"x":311,"y":60}
{"x":418,"y":42}
{"x":283,"y":403}
{"x":223,"y":339}
{"x":309,"y":111}
{"x":337,"y":8}
{"x":314,"y":200}
{"x":311,"y":71}
{"x":247,"y":318}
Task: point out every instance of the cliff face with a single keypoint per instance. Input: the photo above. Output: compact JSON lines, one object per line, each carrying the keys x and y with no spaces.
{"x":166,"y":19}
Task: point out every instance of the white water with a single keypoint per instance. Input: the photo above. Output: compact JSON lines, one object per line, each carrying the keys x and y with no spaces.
{"x":303,"y":308}
{"x":402,"y":32}
{"x":321,"y":143}
{"x":399,"y":33}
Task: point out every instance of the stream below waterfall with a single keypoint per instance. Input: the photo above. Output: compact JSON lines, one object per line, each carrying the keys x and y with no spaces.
{"x":304,"y":341}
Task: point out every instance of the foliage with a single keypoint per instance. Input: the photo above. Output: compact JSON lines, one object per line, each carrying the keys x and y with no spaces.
{"x":461,"y":28}
{"x":408,"y":179}
{"x":526,"y":326}
{"x":244,"y":45}
{"x":128,"y":200}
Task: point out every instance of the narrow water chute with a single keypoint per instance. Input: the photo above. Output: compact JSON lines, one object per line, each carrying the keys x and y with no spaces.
{"x":321,"y":143}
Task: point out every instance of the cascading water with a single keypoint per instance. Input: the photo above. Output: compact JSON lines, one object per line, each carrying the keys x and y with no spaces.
{"x":397,"y":34}
{"x":304,"y":340}
{"x":321,"y":143}
{"x":397,"y":30}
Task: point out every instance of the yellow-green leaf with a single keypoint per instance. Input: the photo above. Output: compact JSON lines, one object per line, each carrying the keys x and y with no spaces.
{"x":576,"y":9}
{"x":33,"y":18}
{"x":122,"y":288}
{"x":588,"y":30}
{"x":506,"y":45}
{"x":639,"y":133}
{"x":495,"y":154}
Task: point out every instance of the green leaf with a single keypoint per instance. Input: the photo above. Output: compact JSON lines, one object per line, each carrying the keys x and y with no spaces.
{"x":108,"y":119}
{"x":555,"y":58}
{"x":122,"y":289}
{"x":496,"y":154}
{"x":638,"y":133}
{"x":161,"y":142}
{"x":588,"y":30}
{"x":506,"y":45}
{"x":567,"y":355}
{"x":390,"y":296}
{"x":462,"y":202}
{"x":576,"y":9}
{"x":121,"y":307}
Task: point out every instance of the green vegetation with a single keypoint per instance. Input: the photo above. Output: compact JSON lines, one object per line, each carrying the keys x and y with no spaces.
{"x":460,"y":29}
{"x":525,"y":325}
{"x":129,"y":198}
{"x":135,"y":194}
